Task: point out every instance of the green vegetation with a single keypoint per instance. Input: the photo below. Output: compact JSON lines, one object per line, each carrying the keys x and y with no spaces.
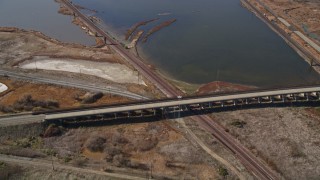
{"x":238,"y":124}
{"x":67,"y":159}
{"x":223,"y":171}
{"x":29,"y":142}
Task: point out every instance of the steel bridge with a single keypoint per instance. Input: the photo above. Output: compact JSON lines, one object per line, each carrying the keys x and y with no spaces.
{"x":176,"y":106}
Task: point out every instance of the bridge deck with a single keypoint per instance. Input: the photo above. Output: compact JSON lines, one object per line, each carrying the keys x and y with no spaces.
{"x":177,"y":102}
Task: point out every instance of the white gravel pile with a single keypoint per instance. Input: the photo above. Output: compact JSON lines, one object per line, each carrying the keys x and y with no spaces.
{"x":111,"y":71}
{"x":3,"y":87}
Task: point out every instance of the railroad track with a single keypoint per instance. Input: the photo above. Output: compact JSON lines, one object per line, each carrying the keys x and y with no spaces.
{"x":109,"y":90}
{"x":258,"y":169}
{"x":132,"y":59}
{"x":246,"y":157}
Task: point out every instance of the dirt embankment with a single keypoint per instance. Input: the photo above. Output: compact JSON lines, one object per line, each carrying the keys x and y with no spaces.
{"x":18,"y":45}
{"x":304,"y":15}
{"x":298,"y":16}
{"x":133,"y":28}
{"x":158,"y":28}
{"x":221,"y":87}
{"x":66,"y":11}
{"x":135,"y":39}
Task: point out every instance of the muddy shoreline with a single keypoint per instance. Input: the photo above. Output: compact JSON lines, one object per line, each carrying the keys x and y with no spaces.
{"x":133,"y":28}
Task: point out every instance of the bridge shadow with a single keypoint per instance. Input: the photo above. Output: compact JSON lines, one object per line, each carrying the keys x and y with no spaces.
{"x":94,"y":121}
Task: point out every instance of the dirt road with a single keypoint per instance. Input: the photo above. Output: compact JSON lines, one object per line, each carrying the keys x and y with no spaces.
{"x":44,"y":164}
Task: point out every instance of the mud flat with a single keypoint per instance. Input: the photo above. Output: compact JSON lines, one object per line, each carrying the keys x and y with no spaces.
{"x":219,"y":87}
{"x":111,"y":71}
{"x":133,"y":28}
{"x":135,"y":39}
{"x":158,"y":28}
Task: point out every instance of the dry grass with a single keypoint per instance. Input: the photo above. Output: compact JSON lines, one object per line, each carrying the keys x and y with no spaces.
{"x":7,"y":170}
{"x":20,"y":45}
{"x":65,"y":97}
{"x":287,"y":139}
{"x":132,"y":147}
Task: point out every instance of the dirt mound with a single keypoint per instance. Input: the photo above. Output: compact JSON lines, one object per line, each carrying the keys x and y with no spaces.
{"x":218,"y":87}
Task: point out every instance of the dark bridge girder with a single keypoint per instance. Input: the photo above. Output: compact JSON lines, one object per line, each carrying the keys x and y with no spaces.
{"x":177,"y":111}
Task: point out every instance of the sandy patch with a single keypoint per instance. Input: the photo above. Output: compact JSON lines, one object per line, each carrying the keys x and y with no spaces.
{"x":111,"y":71}
{"x":222,"y":87}
{"x":3,"y":87}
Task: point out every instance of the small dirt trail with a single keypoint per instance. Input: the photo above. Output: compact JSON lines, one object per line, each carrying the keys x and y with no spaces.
{"x":27,"y":162}
{"x":209,"y":151}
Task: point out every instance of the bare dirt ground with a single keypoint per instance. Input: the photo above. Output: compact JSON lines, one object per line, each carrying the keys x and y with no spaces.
{"x":18,"y":46}
{"x":303,"y":14}
{"x":222,"y":87}
{"x":286,"y":138}
{"x":136,"y":149}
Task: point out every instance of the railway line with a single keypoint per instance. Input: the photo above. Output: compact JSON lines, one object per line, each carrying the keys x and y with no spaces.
{"x":259,"y":170}
{"x":171,"y":105}
{"x":95,"y":88}
{"x":132,"y":59}
{"x":242,"y":153}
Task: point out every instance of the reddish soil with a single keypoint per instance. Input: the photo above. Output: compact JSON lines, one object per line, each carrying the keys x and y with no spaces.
{"x":218,"y":87}
{"x":64,"y":95}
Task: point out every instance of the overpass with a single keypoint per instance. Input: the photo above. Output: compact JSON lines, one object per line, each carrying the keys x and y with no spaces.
{"x":187,"y":104}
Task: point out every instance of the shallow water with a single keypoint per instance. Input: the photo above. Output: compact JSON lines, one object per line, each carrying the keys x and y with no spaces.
{"x":42,"y":15}
{"x":211,"y":40}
